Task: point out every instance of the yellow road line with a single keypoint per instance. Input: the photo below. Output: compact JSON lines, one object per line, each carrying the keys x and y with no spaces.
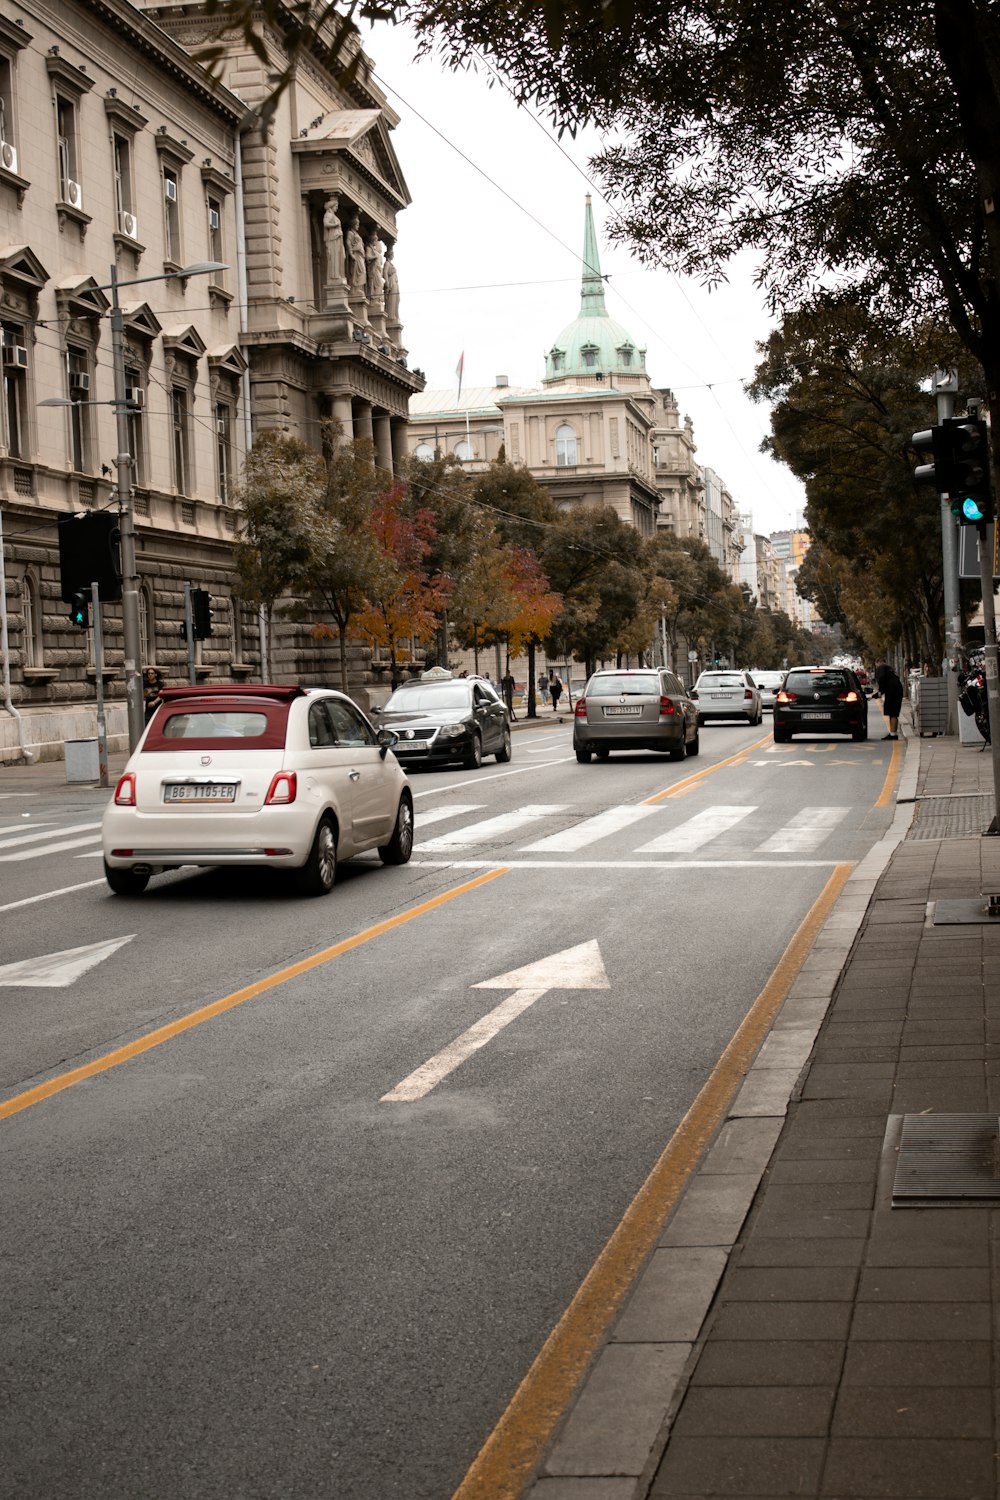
{"x":230,"y":1002}
{"x":885,"y":796}
{"x":506,"y":1460}
{"x":689,"y":781}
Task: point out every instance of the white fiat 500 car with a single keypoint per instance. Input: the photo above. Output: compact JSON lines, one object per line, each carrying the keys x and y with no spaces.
{"x":284,"y":777}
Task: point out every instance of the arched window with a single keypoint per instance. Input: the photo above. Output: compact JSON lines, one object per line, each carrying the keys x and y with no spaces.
{"x":557,"y":356}
{"x":589,"y":353}
{"x":32,"y":624}
{"x":625,"y":355}
{"x":423,"y":450}
{"x":463,"y":450}
{"x":147,"y":641}
{"x":565,"y":446}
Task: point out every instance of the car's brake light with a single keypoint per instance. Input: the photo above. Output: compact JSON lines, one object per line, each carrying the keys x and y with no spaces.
{"x":666,"y":707}
{"x":850,"y":697}
{"x":580,"y":711}
{"x":284,"y":785}
{"x":748,"y":692}
{"x":125,"y":790}
{"x":784,"y":697}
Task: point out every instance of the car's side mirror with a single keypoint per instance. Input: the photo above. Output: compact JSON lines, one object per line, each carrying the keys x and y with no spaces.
{"x":387,"y":739}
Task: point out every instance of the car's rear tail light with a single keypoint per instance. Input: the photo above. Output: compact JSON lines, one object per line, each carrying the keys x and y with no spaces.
{"x":748,"y":692}
{"x":122,"y":853}
{"x":666,"y":707}
{"x":125,"y":790}
{"x":850,"y":697}
{"x":284,"y":785}
{"x":580,"y":711}
{"x":784,"y":697}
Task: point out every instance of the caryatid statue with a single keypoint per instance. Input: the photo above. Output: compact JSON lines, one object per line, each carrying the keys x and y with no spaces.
{"x":333,"y":236}
{"x":355,"y":259}
{"x":374,"y":282}
{"x":390,"y":276}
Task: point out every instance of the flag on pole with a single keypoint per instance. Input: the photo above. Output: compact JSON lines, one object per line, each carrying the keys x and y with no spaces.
{"x":458,"y":372}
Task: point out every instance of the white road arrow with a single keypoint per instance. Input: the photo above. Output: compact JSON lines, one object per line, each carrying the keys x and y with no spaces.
{"x":579,"y":968}
{"x":54,"y":971}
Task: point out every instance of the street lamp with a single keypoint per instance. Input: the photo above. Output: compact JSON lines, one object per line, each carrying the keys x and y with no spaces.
{"x":123,"y":463}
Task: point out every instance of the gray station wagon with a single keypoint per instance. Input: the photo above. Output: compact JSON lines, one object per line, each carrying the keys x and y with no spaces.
{"x":641,"y":709}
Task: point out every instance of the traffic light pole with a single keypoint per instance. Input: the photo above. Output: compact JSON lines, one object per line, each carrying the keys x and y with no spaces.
{"x":130,"y":575}
{"x":189,"y":635}
{"x":102,"y":723}
{"x":944,"y":386}
{"x":992,"y":678}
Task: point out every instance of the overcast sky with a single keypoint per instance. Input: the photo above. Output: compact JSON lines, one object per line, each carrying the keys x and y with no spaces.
{"x":489,"y":260}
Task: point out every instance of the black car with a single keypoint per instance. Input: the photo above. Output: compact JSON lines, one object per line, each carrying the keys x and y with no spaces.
{"x":820,"y":700}
{"x":441,"y":718}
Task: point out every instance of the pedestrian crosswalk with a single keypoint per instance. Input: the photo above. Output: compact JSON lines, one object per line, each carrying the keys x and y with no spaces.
{"x":740,"y":831}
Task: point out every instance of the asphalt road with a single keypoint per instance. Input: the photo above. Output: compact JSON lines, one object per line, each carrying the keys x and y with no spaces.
{"x":232,"y":1266}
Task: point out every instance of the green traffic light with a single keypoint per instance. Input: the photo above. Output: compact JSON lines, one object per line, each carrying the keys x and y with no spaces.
{"x":972,"y":510}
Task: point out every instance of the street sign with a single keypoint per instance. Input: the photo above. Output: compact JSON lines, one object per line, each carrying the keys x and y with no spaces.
{"x":968,"y":551}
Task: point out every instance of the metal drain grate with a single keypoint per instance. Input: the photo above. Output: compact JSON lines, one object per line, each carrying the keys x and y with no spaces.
{"x":947,"y":1158}
{"x":952,"y":817}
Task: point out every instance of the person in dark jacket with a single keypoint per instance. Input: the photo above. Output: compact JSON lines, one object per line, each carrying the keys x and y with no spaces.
{"x":891,"y":689}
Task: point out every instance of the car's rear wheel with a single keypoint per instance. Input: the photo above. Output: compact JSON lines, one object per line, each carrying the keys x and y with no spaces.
{"x":125,"y":882}
{"x":399,"y":848}
{"x":859,"y":735}
{"x":318,"y":874}
{"x":700,"y":721}
{"x":503,"y":754}
{"x":474,"y":759}
{"x":693,"y":746}
{"x":677,"y":752}
{"x":603,"y":754}
{"x":583,"y":756}
{"x":781,"y":736}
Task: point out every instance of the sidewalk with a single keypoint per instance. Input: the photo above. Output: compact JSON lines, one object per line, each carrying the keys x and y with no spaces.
{"x":793,"y":1332}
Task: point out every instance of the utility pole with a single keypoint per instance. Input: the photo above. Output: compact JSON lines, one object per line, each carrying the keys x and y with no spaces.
{"x":944,"y":384}
{"x":130,"y":576}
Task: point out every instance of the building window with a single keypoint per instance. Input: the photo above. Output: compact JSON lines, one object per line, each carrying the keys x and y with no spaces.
{"x":69,"y":176}
{"x":124,"y":188}
{"x":463,"y":450}
{"x":424,"y":451}
{"x":147,"y":640}
{"x":180,"y":420}
{"x":32,"y":638}
{"x":589,"y":353}
{"x":171,"y":215}
{"x":224,"y":448}
{"x":565,"y":446}
{"x":215,"y":245}
{"x":78,"y":382}
{"x":15,"y":391}
{"x":135,"y":397}
{"x":8,"y":144}
{"x":557,"y":358}
{"x":625,"y":355}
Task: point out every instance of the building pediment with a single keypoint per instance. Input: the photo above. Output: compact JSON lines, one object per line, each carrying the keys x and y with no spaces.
{"x":82,"y":298}
{"x":20,"y":264}
{"x":140,"y":320}
{"x":227,"y":359}
{"x":185,"y":340}
{"x":361,"y":137}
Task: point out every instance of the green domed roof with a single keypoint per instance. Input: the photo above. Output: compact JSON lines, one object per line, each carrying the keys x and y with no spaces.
{"x":593,"y":343}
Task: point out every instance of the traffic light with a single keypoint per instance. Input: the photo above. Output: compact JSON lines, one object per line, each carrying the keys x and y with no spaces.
{"x":968,"y":472}
{"x":201,"y":614}
{"x":80,"y":613}
{"x":89,"y":552}
{"x":928,"y":441}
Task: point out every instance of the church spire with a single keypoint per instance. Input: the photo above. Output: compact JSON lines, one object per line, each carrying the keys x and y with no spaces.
{"x":592,"y":291}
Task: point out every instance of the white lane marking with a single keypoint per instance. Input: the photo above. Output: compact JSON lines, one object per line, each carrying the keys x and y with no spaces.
{"x":457,"y":786}
{"x":56,"y":971}
{"x":455,"y":810}
{"x":805,"y":831}
{"x":514,"y":863}
{"x":579,"y":968}
{"x":46,"y":831}
{"x":66,"y":890}
{"x":600,"y":826}
{"x":8,"y":859}
{"x":5,"y":795}
{"x":489,"y":828}
{"x":699,"y":830}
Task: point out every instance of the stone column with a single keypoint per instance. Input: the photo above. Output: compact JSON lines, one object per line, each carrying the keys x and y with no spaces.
{"x":383,"y":441}
{"x":343,"y":413}
{"x":399,"y":448}
{"x":363,"y":421}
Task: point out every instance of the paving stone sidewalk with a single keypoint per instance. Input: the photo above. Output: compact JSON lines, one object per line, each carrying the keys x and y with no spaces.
{"x":850,"y":1348}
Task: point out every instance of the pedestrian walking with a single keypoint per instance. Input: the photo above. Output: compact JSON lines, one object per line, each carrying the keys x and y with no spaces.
{"x":891,"y":689}
{"x":555,"y":690}
{"x":152,"y":682}
{"x":508,"y":685}
{"x":543,"y":688}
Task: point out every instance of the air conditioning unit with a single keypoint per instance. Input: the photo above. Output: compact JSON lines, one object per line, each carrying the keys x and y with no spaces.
{"x":79,"y":380}
{"x":16,"y":355}
{"x":170,"y":189}
{"x":129,"y":224}
{"x":134,"y":395}
{"x":213,"y":219}
{"x":8,"y":155}
{"x":74,"y":193}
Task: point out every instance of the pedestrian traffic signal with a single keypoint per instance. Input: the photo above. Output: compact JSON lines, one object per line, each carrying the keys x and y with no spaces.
{"x":969,"y":488}
{"x":80,"y":613}
{"x":201,"y":613}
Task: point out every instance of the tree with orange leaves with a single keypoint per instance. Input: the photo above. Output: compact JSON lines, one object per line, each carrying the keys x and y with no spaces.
{"x":401,"y":603}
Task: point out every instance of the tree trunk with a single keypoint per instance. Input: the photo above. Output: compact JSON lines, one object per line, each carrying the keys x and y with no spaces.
{"x":531,"y":710}
{"x":341,"y":633}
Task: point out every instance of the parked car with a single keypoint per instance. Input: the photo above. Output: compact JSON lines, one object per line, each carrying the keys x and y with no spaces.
{"x":641,"y":709}
{"x":726,"y":694}
{"x":821,"y":700}
{"x":767,"y":684}
{"x":440,"y":718}
{"x":285,"y":777}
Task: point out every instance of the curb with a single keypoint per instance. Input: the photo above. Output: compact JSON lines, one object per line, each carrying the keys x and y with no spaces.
{"x":614,"y":1433}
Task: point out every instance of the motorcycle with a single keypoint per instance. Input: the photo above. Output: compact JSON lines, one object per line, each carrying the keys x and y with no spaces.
{"x":972,"y":698}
